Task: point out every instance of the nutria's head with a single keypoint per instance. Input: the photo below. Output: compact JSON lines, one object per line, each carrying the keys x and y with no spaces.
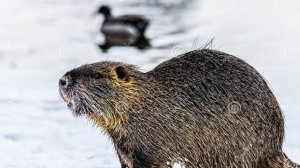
{"x":101,"y":90}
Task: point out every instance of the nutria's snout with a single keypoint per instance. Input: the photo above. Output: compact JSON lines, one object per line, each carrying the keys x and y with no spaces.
{"x":65,"y":91}
{"x":64,"y":82}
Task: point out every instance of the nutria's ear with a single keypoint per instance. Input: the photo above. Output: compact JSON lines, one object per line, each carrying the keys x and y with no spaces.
{"x":122,"y":73}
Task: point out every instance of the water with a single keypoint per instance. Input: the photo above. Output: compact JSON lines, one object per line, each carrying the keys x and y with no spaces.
{"x":41,"y":39}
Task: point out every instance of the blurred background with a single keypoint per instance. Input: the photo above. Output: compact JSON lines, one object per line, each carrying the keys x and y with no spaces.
{"x":41,"y":39}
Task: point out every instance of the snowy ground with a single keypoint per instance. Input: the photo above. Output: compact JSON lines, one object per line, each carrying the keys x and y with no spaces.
{"x":41,"y":39}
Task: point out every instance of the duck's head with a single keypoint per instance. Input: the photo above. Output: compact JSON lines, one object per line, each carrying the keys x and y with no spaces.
{"x":105,"y":10}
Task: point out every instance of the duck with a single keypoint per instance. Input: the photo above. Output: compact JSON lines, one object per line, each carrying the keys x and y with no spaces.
{"x":125,"y":26}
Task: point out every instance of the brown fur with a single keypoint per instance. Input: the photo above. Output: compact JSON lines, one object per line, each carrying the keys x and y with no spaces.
{"x":201,"y":109}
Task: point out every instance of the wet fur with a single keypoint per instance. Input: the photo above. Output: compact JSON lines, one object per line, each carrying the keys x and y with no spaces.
{"x":179,"y":112}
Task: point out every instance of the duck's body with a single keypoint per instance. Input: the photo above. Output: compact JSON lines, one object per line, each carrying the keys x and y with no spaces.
{"x":125,"y":26}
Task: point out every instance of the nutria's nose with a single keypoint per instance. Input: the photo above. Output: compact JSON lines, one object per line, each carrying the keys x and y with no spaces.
{"x":64,"y":82}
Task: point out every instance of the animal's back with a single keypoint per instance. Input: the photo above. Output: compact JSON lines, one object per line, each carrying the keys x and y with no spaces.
{"x":197,"y":65}
{"x":237,"y":110}
{"x":204,"y":73}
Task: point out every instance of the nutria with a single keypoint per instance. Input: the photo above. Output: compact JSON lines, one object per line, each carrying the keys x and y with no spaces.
{"x":202,"y":109}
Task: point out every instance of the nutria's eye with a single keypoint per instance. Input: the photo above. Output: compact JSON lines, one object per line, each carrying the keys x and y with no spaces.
{"x":121,"y":73}
{"x":97,"y":76}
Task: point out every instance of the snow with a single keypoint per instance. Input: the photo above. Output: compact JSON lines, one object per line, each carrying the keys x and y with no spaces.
{"x":42,"y":39}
